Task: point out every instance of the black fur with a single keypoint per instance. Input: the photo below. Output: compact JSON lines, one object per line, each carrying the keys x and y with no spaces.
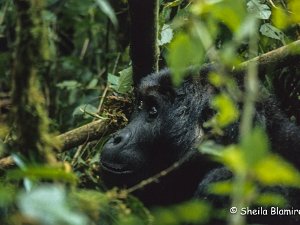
{"x":157,"y":137}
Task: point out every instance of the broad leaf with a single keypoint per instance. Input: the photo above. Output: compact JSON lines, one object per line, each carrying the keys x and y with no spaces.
{"x":107,"y":10}
{"x":47,"y":205}
{"x":261,"y":11}
{"x":166,"y":35}
{"x":272,"y":32}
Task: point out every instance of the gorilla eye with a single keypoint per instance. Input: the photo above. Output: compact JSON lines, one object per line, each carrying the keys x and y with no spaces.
{"x":141,"y":105}
{"x":152,"y":112}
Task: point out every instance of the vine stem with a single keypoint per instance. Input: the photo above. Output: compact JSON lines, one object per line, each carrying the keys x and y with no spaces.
{"x":251,"y":89}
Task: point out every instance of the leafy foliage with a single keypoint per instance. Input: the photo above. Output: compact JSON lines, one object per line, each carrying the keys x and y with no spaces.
{"x":87,"y":75}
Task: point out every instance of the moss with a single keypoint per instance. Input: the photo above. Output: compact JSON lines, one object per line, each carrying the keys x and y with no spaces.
{"x":33,"y":138}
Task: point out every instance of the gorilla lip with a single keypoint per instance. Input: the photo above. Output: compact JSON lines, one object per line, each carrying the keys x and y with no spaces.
{"x":115,"y":168}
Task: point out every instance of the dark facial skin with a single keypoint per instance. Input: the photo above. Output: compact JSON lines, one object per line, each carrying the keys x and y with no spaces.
{"x":165,"y":127}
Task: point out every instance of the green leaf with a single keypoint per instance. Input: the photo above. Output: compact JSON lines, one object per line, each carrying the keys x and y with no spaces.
{"x":166,"y":35}
{"x":113,"y":79}
{"x":221,"y":188}
{"x":231,"y":12}
{"x":211,"y":148}
{"x":84,"y":110}
{"x":125,"y":80}
{"x":273,"y":170}
{"x":7,"y":194}
{"x":107,"y":10}
{"x":123,"y":83}
{"x":47,"y":205}
{"x":227,"y":112}
{"x":92,"y":84}
{"x":68,"y":84}
{"x":138,"y":210}
{"x":193,"y":212}
{"x":173,"y":3}
{"x":184,"y":52}
{"x":271,"y":199}
{"x":259,"y":10}
{"x":294,"y":6}
{"x":272,"y":32}
{"x":226,"y":188}
{"x":42,"y":172}
{"x":216,"y":79}
{"x":247,"y":28}
{"x":280,"y":18}
{"x":255,"y":146}
{"x":233,"y":158}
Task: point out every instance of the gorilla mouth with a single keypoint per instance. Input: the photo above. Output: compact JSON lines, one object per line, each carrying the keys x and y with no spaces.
{"x":115,"y":168}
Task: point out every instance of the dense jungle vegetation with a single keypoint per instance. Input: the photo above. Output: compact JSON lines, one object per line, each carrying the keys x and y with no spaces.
{"x":66,"y":64}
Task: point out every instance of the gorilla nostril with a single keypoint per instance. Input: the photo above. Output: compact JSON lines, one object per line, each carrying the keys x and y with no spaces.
{"x":117,"y":140}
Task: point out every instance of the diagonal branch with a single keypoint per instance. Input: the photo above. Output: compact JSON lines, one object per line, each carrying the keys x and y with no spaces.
{"x":288,"y":55}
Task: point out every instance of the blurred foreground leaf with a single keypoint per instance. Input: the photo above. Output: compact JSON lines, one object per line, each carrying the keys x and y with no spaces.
{"x":273,"y":170}
{"x":43,"y":172}
{"x":47,"y":204}
{"x":192,"y":212}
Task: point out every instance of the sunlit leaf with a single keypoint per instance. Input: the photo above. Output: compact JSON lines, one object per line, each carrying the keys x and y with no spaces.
{"x":294,"y":6}
{"x":271,"y":199}
{"x":184,"y":51}
{"x":280,"y":18}
{"x":166,"y":35}
{"x":216,"y":79}
{"x":221,"y":188}
{"x":233,"y":158}
{"x":225,"y":188}
{"x":42,"y":172}
{"x":231,"y":12}
{"x":227,"y":111}
{"x":273,"y":170}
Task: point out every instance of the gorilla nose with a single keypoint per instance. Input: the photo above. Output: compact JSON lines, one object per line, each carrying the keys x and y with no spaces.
{"x":119,"y":139}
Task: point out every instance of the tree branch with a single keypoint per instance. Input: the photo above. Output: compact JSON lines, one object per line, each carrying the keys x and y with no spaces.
{"x":288,"y":55}
{"x":144,"y":49}
{"x":86,"y":133}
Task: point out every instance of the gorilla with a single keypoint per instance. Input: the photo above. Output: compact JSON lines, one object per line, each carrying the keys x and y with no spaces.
{"x":167,"y":125}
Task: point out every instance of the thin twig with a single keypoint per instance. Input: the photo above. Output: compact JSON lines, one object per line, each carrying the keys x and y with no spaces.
{"x":159,"y":175}
{"x":84,"y":48}
{"x":107,"y":85}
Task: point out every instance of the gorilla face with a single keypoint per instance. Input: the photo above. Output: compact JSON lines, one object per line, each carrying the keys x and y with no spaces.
{"x":164,"y":127}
